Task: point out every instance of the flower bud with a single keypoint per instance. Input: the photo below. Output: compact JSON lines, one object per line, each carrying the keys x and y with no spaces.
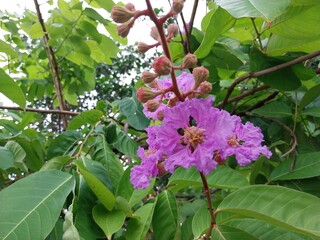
{"x":123,"y":30}
{"x":172,"y":30}
{"x":143,"y":47}
{"x":148,"y":77}
{"x":177,"y":6}
{"x":189,"y":61}
{"x":200,"y":75}
{"x":160,"y":115}
{"x":205,"y":88}
{"x":152,"y":105}
{"x":144,"y":94}
{"x":155,"y":34}
{"x":121,"y":14}
{"x":130,"y":7}
{"x":162,"y":65}
{"x":154,"y":84}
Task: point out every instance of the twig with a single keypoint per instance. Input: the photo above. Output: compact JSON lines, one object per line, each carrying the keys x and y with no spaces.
{"x":53,"y":64}
{"x":257,"y":32}
{"x":266,"y":71}
{"x":46,"y":111}
{"x":210,"y":209}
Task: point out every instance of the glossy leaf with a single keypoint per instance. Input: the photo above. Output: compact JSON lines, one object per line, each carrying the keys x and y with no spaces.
{"x":220,"y":22}
{"x":254,"y":8}
{"x":296,"y":211}
{"x":165,"y":216}
{"x":222,"y":177}
{"x":306,"y":166}
{"x":200,"y":222}
{"x":88,"y":117}
{"x":125,"y":144}
{"x":138,"y":227}
{"x":223,"y":232}
{"x":104,"y":195}
{"x":11,"y":90}
{"x":109,"y":222}
{"x":312,"y":111}
{"x":56,"y":163}
{"x":263,"y":231}
{"x":309,"y":96}
{"x":36,"y":200}
{"x":274,"y":109}
{"x":7,"y":158}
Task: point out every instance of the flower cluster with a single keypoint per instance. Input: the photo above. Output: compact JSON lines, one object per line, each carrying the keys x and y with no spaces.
{"x":194,"y":133}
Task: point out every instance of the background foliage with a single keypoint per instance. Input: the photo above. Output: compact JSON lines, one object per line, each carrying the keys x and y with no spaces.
{"x":66,"y":166}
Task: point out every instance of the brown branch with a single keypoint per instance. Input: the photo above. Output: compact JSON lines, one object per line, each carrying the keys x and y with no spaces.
{"x":52,"y":64}
{"x":46,"y":111}
{"x":266,"y":71}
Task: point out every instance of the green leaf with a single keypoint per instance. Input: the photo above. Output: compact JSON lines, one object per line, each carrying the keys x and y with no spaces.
{"x":109,"y":222}
{"x":274,"y":110}
{"x":312,"y":111}
{"x":104,"y":195}
{"x":138,"y":227}
{"x":7,"y":158}
{"x":220,"y":22}
{"x":105,"y":4}
{"x":56,"y":163}
{"x":125,"y":144}
{"x":165,"y":216}
{"x":17,"y":150}
{"x":11,"y":90}
{"x":262,"y":230}
{"x":36,"y":200}
{"x":64,"y":143}
{"x":88,"y":117}
{"x":267,"y":10}
{"x":200,"y":222}
{"x":296,"y":211}
{"x":306,"y":166}
{"x":309,"y":96}
{"x":94,"y":15}
{"x":223,"y":232}
{"x":222,"y":177}
{"x":7,"y":49}
{"x":103,"y":153}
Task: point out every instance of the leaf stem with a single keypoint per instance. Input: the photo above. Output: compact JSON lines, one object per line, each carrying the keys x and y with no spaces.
{"x":257,"y":32}
{"x":208,"y":196}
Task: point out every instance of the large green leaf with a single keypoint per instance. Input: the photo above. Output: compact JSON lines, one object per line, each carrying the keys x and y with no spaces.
{"x":11,"y":90}
{"x":267,"y":10}
{"x":309,"y":96}
{"x":200,"y":221}
{"x":274,"y":110}
{"x":125,"y":144}
{"x":222,"y":177}
{"x":306,"y":166}
{"x":109,"y":222}
{"x":220,"y":22}
{"x":31,"y":206}
{"x":138,"y":227}
{"x":262,"y":230}
{"x":84,"y":118}
{"x":7,"y":49}
{"x":296,"y":211}
{"x":224,"y":232}
{"x":165,"y":216}
{"x":104,"y":195}
{"x":6,"y":159}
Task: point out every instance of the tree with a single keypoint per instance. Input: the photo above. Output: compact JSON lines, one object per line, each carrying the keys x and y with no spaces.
{"x":75,"y":179}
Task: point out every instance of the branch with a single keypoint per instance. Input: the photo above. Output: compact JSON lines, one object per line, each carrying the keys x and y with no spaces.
{"x":46,"y":111}
{"x":53,"y":64}
{"x":266,"y":71}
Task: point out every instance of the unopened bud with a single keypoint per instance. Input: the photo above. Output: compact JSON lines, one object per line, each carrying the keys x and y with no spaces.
{"x":160,"y":115}
{"x":143,"y":47}
{"x":200,"y":75}
{"x":172,"y":30}
{"x":162,"y":65}
{"x":205,"y":88}
{"x":145,"y":94}
{"x":155,"y":34}
{"x":130,"y":7}
{"x":154,"y":84}
{"x":123,"y":30}
{"x":148,"y":77}
{"x":121,"y":14}
{"x":189,"y":61}
{"x":152,"y":105}
{"x":177,"y":6}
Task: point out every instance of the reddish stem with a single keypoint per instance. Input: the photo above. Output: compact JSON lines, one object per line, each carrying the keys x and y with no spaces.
{"x":207,"y":192}
{"x":165,"y":47}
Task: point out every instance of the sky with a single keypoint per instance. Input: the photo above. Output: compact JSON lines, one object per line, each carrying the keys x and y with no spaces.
{"x":18,"y":6}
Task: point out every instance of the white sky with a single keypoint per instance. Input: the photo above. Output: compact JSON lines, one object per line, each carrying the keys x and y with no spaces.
{"x":139,"y":32}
